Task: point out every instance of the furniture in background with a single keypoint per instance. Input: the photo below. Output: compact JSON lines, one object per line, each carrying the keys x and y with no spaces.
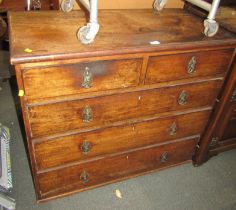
{"x":224,"y":135}
{"x":135,"y":101}
{"x":19,"y":5}
{"x":210,"y":25}
{"x":220,"y":134}
{"x":3,"y":27}
{"x":226,"y":14}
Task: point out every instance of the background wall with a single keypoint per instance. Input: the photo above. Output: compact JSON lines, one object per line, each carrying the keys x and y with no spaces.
{"x":133,"y":4}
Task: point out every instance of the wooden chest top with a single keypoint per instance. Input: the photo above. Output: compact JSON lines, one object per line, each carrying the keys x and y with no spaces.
{"x":52,"y":35}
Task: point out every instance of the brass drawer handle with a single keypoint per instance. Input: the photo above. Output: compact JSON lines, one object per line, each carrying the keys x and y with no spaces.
{"x":87,"y":78}
{"x":84,"y":177}
{"x":87,"y":114}
{"x":214,"y":141}
{"x":182,"y":100}
{"x":192,"y":65}
{"x":85,"y":147}
{"x":233,"y":97}
{"x":173,"y":129}
{"x":164,"y":157}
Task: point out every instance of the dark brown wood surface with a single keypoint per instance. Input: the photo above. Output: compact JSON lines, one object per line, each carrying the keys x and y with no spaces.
{"x":41,"y":83}
{"x":230,"y":131}
{"x":105,"y":142}
{"x":211,"y":143}
{"x":20,"y":5}
{"x":46,"y":33}
{"x":175,"y":67}
{"x":67,"y":116}
{"x":67,"y":180}
{"x":226,"y":129}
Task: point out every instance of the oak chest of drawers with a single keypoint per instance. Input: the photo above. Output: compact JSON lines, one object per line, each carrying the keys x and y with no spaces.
{"x":117,"y":108}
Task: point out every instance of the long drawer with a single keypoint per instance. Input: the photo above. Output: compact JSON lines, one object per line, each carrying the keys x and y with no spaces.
{"x":47,"y":82}
{"x":189,"y":65}
{"x":100,"y":143}
{"x":102,"y":111}
{"x":107,"y":170}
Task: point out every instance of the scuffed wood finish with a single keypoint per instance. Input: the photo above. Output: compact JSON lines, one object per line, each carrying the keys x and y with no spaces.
{"x":66,"y":116}
{"x":112,"y":140}
{"x":64,"y":181}
{"x":175,"y":67}
{"x":174,"y":29}
{"x":68,"y":79}
{"x":137,"y":114}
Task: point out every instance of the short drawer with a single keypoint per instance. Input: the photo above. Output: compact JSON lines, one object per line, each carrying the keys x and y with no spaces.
{"x":183,"y":66}
{"x":103,"y":111}
{"x":107,"y":170}
{"x":43,"y":83}
{"x":112,"y":140}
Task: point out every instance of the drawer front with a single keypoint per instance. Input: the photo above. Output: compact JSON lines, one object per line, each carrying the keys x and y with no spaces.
{"x":102,"y":111}
{"x":79,"y":177}
{"x":117,"y":139}
{"x":230,"y":130}
{"x":183,"y":66}
{"x":80,"y":78}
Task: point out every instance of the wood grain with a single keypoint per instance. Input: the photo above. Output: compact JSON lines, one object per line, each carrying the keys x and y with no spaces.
{"x":175,"y":67}
{"x":47,"y":33}
{"x":114,"y":168}
{"x":66,"y":116}
{"x":60,"y":151}
{"x":130,"y":4}
{"x":68,"y":79}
